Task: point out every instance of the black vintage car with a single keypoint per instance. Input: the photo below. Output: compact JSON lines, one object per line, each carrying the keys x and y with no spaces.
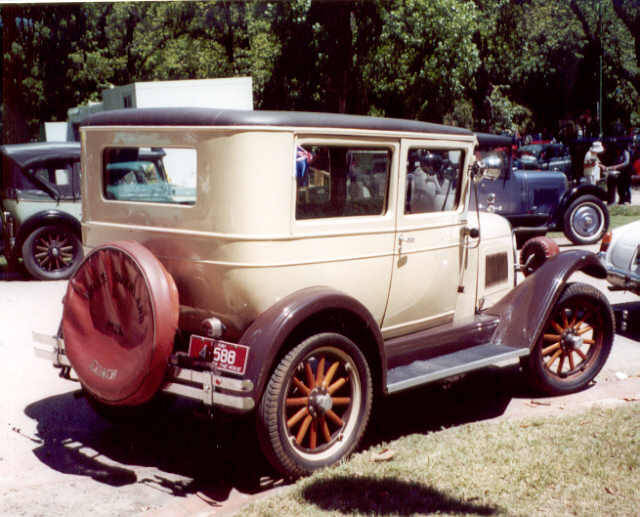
{"x":40,"y":200}
{"x":538,"y":201}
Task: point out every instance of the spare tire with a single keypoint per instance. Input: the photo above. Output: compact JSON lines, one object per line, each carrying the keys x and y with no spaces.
{"x":119,"y":321}
{"x":536,"y":252}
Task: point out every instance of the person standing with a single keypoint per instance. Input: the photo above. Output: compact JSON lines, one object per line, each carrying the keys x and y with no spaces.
{"x":592,"y":170}
{"x":621,"y":173}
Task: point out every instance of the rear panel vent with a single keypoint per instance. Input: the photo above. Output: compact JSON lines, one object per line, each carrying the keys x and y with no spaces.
{"x":496,"y":269}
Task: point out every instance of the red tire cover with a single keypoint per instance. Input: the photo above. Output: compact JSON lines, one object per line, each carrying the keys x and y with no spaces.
{"x":119,"y":321}
{"x":542,"y":248}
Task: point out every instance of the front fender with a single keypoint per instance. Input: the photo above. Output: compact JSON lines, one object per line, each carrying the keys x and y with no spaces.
{"x":270,"y":331}
{"x":524,"y":310}
{"x":571,"y":194}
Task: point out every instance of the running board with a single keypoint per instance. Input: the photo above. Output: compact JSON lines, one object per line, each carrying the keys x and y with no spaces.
{"x":449,"y":365}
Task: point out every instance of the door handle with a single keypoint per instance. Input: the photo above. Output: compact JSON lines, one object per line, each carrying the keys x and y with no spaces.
{"x":402,"y":239}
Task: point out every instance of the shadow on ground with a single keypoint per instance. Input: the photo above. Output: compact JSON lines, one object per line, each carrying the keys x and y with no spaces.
{"x":478,"y":396}
{"x":374,"y":496}
{"x":192,"y":453}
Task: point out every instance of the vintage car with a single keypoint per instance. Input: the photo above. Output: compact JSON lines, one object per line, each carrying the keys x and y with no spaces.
{"x":40,"y":197}
{"x":310,"y":262}
{"x":620,"y":254}
{"x":536,"y":202}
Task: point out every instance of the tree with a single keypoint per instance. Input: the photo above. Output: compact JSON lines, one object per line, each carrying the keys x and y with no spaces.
{"x":426,"y":60}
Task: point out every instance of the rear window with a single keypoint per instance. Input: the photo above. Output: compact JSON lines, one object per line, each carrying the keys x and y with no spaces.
{"x":150,"y":175}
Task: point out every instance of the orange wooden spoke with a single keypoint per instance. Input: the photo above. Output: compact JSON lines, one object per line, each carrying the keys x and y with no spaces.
{"x":303,"y":429}
{"x":334,"y":418}
{"x":341,"y":401}
{"x":553,"y":359}
{"x":320,"y":375}
{"x":297,"y":401}
{"x":300,"y":385}
{"x":310,"y":380}
{"x":297,"y":417}
{"x":337,"y":385}
{"x":556,"y":326}
{"x":589,"y":341}
{"x":313,"y":436}
{"x":584,"y":330}
{"x":580,"y":353}
{"x":551,"y":337}
{"x":551,"y":348}
{"x":325,"y":429}
{"x":560,"y":365}
{"x":571,"y":363}
{"x":330,"y":373}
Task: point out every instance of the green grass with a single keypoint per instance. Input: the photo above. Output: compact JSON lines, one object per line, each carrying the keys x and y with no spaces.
{"x":580,"y":465}
{"x":621,"y":215}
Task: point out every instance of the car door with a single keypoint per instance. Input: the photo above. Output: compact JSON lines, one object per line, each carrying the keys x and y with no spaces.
{"x":430,"y":266}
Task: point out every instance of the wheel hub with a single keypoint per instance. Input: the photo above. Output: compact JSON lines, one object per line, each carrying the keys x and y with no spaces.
{"x":319,"y":402}
{"x":55,"y":251}
{"x":570,"y":340}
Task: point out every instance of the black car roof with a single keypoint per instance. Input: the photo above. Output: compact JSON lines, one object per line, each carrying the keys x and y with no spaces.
{"x":488,"y":140}
{"x":222,"y":117}
{"x":27,"y":154}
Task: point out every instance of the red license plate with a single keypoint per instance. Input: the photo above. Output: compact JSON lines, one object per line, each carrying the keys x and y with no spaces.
{"x":228,"y":357}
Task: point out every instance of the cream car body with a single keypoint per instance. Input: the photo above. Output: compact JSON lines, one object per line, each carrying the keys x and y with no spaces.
{"x":316,"y":258}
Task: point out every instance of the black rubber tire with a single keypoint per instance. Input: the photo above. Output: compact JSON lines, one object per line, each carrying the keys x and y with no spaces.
{"x":276,"y":431}
{"x":579,"y":304}
{"x":38,"y":249}
{"x":536,"y":252}
{"x":586,"y":233}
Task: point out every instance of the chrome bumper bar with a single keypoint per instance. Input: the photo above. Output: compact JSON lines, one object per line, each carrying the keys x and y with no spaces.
{"x":621,"y":279}
{"x":195,"y":384}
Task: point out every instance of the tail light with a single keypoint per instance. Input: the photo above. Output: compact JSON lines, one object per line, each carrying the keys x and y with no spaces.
{"x":606,"y":241}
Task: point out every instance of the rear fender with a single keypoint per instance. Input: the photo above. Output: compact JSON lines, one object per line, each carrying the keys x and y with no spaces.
{"x":301,"y":314}
{"x":524,"y":310}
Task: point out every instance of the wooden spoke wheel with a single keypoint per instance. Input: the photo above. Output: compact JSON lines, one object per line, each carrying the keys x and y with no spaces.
{"x":575,"y":342}
{"x":52,"y":252}
{"x":316,"y":405}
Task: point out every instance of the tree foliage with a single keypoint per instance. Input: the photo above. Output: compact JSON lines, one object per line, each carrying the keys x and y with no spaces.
{"x":491,"y":65}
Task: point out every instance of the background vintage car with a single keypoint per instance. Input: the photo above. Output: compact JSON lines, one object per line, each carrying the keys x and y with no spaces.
{"x":537,"y":201}
{"x":40,"y":197}
{"x":620,"y":253}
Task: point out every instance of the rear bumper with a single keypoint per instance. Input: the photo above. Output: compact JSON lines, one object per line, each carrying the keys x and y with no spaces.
{"x":621,"y":279}
{"x":207,"y":386}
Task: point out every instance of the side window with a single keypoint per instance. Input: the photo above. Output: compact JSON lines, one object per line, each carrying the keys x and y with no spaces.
{"x":433,"y":180}
{"x":149,"y":175}
{"x":341,"y":181}
{"x":54,"y":177}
